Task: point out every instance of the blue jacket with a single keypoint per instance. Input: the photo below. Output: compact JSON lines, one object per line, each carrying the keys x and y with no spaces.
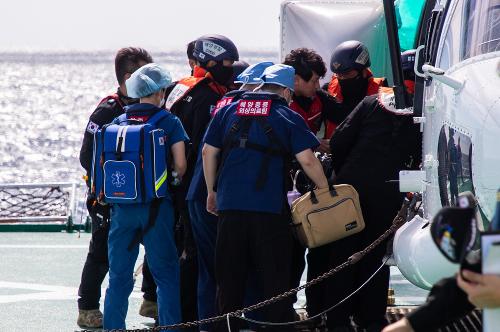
{"x":236,"y":185}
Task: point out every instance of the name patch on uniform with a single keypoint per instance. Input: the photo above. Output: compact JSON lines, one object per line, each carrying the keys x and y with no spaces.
{"x":92,"y":127}
{"x":254,"y":108}
{"x":142,"y":118}
{"x":177,"y":93}
{"x":220,"y":104}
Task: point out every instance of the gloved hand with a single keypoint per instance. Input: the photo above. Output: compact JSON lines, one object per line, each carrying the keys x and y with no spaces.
{"x":99,"y":213}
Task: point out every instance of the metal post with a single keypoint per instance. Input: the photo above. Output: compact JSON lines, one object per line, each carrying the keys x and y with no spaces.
{"x":401,"y":97}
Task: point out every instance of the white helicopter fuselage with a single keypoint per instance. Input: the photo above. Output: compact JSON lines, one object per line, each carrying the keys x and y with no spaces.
{"x":461,"y":143}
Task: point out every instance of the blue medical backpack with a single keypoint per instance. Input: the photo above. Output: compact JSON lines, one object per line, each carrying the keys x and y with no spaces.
{"x":130,"y":161}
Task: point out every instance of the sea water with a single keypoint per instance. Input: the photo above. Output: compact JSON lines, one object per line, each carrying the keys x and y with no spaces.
{"x":46,"y":100}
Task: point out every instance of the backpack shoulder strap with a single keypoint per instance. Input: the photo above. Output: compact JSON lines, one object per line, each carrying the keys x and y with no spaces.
{"x":157,"y":117}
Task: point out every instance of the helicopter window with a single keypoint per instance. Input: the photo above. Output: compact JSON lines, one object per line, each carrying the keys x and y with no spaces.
{"x":455,"y":165}
{"x":481,"y":28}
{"x":450,"y":52}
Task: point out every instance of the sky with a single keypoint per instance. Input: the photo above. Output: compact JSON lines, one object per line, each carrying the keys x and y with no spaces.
{"x":159,"y":25}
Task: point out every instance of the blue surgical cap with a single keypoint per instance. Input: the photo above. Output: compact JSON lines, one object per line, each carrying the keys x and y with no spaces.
{"x":251,"y":75}
{"x":279,"y":74}
{"x":147,"y":80}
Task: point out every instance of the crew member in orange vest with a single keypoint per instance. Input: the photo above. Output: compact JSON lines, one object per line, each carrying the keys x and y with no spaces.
{"x":312,"y":103}
{"x":192,"y":99}
{"x":352,"y":80}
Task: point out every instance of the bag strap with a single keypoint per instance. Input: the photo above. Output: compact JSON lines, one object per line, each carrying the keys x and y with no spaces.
{"x":227,"y":145}
{"x":157,"y":117}
{"x":243,"y":125}
{"x":333,"y":192}
{"x":154,"y":210}
{"x":269,"y":152}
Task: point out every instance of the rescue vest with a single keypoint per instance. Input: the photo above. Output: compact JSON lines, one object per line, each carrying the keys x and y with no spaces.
{"x":185,"y":85}
{"x":311,"y":116}
{"x":374,"y":84}
{"x":250,"y":111}
{"x":115,"y":97}
{"x":387,"y":100}
{"x":129,"y":161}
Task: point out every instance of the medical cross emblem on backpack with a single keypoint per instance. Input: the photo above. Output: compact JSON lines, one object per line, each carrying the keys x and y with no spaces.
{"x":118,"y":179}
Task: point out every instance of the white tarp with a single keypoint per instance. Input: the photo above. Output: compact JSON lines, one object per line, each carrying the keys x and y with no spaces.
{"x":322,"y":25}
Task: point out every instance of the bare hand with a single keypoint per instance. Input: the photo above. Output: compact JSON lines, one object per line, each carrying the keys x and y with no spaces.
{"x":212,"y":203}
{"x":402,"y":325}
{"x":483,"y":289}
{"x":324,"y":146}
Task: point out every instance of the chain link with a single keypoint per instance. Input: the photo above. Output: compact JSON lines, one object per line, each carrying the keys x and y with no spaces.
{"x":398,"y":221}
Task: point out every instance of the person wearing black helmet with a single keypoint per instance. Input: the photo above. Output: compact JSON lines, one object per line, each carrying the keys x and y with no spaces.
{"x":192,"y":99}
{"x":369,"y":148}
{"x":352,"y":78}
{"x":190,"y":56}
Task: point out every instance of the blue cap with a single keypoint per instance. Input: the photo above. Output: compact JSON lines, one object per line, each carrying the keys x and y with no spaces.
{"x":147,"y":80}
{"x":252,"y":74}
{"x":279,"y":74}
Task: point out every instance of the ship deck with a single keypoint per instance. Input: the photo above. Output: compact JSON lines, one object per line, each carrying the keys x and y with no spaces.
{"x":40,"y":274}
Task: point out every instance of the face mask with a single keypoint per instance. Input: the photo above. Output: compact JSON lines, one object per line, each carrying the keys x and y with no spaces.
{"x":354,"y":89}
{"x":221,"y":74}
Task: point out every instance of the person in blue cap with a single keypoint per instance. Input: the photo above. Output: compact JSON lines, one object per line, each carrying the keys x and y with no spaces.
{"x":148,"y":84}
{"x":204,"y":224}
{"x":251,"y":141}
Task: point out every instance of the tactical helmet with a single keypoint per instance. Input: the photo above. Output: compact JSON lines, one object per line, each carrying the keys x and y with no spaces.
{"x":351,"y":54}
{"x":215,"y":47}
{"x":408,"y":60}
{"x":238,"y":68}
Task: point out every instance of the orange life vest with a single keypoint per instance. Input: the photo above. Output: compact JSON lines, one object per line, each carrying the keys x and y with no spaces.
{"x":387,"y":100}
{"x":374,"y":83}
{"x":311,"y":116}
{"x":185,"y":85}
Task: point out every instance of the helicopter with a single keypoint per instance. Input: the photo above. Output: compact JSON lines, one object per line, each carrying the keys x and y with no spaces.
{"x":456,"y":101}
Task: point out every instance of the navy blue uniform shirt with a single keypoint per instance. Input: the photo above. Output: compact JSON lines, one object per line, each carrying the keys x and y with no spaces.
{"x":198,"y":188}
{"x":236,"y":186}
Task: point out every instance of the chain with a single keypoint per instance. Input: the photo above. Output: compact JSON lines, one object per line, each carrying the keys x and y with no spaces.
{"x":398,"y":221}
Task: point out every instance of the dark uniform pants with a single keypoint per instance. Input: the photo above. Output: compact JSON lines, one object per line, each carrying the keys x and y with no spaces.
{"x":368,"y":306}
{"x":96,"y":266}
{"x":252,"y":244}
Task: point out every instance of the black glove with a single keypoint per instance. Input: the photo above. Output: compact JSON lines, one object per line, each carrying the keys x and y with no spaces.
{"x":98,"y":212}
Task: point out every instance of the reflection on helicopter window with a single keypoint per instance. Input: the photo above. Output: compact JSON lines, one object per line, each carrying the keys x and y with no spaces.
{"x":481,"y":28}
{"x":450,"y":52}
{"x":454,"y":171}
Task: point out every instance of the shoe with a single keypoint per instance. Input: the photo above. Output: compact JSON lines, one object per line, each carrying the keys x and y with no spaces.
{"x":89,"y":318}
{"x":149,"y":309}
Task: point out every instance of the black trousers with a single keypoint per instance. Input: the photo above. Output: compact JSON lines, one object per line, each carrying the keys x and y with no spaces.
{"x":96,"y":265}
{"x":368,"y":306}
{"x":253,"y":244}
{"x":188,"y":261}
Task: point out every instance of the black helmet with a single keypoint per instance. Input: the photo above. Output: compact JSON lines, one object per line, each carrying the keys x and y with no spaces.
{"x":408,"y":60}
{"x":238,"y":68}
{"x":351,"y":54}
{"x":215,"y":47}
